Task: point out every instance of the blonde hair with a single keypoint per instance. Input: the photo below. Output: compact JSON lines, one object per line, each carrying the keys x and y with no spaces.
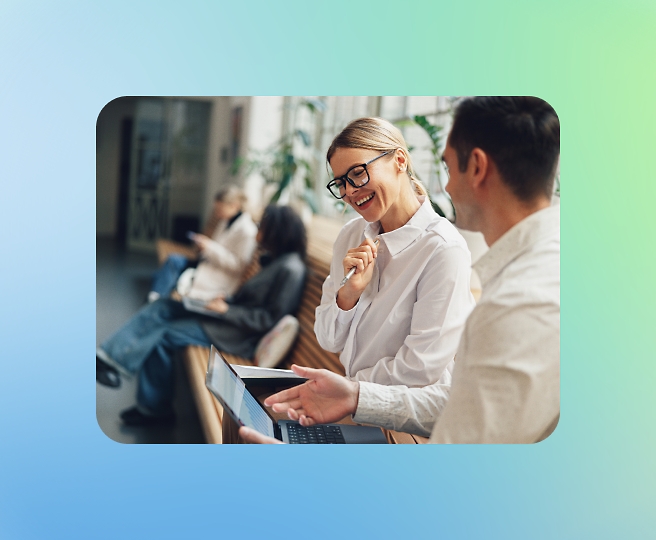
{"x":231,"y":194}
{"x":376,"y":134}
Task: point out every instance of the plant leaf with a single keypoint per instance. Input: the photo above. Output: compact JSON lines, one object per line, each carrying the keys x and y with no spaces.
{"x":313,"y":105}
{"x":437,"y":208}
{"x":304,"y":136}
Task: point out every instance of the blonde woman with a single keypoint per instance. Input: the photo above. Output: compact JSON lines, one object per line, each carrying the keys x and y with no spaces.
{"x":398,"y":319}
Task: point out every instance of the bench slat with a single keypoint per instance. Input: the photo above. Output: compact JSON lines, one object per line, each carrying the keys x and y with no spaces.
{"x":209,"y":410}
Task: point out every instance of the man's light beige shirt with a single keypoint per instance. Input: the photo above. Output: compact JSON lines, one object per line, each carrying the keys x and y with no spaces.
{"x":506,"y":379}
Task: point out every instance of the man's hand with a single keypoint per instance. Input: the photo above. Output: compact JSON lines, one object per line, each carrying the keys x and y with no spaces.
{"x":325,"y":397}
{"x":255,"y":437}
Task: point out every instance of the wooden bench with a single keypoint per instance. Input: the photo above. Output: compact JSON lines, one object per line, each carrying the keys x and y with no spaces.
{"x":305,"y":352}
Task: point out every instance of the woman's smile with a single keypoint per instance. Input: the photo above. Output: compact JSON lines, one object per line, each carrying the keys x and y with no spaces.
{"x":362,"y":203}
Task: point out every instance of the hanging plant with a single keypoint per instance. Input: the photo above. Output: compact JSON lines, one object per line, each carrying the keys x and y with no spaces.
{"x":436,"y":135}
{"x":280,"y":164}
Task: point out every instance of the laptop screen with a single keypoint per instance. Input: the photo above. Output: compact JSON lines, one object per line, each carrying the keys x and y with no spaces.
{"x":230,"y":389}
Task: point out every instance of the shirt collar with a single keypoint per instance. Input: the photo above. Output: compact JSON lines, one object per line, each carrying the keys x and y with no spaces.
{"x":233,"y":219}
{"x":399,"y":239}
{"x":518,"y":239}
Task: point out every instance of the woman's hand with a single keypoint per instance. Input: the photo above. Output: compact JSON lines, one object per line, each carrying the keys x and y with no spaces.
{"x":362,"y":258}
{"x":218,"y":304}
{"x":201,"y":241}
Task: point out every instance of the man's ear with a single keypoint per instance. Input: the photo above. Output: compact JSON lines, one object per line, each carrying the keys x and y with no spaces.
{"x":480,"y":165}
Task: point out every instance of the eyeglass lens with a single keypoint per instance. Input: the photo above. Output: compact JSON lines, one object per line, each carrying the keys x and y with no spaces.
{"x":358,"y":177}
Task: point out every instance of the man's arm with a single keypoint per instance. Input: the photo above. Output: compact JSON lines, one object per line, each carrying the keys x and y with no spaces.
{"x":326,"y":397}
{"x":506,"y":389}
{"x":411,"y":410}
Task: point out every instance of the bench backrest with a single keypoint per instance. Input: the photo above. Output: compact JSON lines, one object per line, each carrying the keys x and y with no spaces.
{"x":307,"y":351}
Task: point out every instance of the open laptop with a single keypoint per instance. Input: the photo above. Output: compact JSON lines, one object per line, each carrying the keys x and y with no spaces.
{"x":245,"y":410}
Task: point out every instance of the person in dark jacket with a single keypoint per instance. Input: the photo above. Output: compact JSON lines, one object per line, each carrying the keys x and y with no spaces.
{"x":145,"y":345}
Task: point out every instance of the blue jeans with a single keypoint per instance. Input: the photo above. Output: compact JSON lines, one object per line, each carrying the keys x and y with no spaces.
{"x":166,"y":277}
{"x":147,"y":343}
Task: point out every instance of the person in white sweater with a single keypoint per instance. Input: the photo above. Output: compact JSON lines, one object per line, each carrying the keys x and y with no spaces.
{"x":223,"y":257}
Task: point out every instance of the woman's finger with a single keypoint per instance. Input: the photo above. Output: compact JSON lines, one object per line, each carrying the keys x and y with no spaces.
{"x":358,"y":258}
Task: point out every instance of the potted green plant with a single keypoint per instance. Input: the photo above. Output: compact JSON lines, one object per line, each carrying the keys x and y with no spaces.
{"x":436,"y":136}
{"x":282,"y":164}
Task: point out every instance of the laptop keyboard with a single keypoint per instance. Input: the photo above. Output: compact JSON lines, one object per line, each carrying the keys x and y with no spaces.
{"x":314,"y":434}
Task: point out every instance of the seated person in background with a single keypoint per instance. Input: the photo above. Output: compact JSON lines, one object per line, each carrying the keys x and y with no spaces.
{"x":501,"y":155}
{"x":399,"y":318}
{"x":145,"y":345}
{"x":223,"y":257}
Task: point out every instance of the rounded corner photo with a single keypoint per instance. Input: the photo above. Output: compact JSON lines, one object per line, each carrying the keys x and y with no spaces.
{"x":328,"y":269}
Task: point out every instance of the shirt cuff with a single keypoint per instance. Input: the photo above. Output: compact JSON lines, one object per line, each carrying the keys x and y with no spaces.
{"x":345,"y":317}
{"x":372,"y":402}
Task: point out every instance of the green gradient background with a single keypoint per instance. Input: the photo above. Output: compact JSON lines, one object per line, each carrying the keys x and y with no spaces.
{"x":593,"y":61}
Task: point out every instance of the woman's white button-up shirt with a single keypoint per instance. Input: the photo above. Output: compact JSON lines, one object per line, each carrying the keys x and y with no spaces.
{"x":407,"y":324}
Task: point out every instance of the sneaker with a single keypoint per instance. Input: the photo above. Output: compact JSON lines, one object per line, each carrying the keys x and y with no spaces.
{"x":106,"y":374}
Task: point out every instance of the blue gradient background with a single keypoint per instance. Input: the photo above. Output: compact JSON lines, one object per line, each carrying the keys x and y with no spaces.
{"x":60,"y":477}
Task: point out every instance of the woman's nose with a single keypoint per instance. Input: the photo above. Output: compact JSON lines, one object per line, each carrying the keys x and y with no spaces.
{"x":350,"y":190}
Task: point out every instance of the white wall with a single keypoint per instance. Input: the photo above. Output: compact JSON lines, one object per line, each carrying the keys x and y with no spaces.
{"x":218,"y":137}
{"x":263,"y":127}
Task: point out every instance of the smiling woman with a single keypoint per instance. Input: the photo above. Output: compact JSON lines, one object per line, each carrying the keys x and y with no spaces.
{"x":398,"y":319}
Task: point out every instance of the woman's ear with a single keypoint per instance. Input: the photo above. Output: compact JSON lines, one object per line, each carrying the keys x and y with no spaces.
{"x":401,"y":160}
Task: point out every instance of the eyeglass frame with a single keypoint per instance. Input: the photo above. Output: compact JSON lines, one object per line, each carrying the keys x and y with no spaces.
{"x":345,"y":177}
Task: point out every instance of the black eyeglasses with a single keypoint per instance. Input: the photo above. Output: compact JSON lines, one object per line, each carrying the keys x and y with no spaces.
{"x":357,"y":176}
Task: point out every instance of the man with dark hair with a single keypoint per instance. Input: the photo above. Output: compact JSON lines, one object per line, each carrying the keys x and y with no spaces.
{"x":520,"y":134}
{"x":502,"y":155}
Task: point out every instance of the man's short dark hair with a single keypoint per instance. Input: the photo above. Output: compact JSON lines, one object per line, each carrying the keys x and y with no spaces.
{"x":520,"y":134}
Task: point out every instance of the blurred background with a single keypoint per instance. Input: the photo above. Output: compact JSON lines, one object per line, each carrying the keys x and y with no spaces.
{"x":160,"y":160}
